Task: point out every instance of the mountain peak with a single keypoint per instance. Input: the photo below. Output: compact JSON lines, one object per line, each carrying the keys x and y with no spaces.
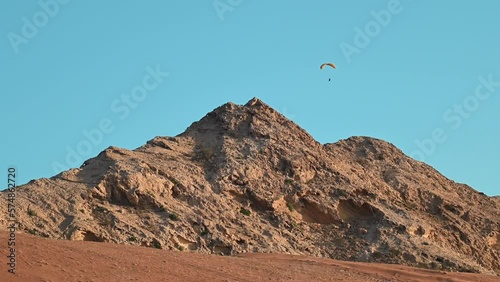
{"x":244,"y":178}
{"x":255,"y":102}
{"x":255,"y":119}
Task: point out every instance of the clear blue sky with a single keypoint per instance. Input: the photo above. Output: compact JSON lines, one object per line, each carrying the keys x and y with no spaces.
{"x":414,"y":73}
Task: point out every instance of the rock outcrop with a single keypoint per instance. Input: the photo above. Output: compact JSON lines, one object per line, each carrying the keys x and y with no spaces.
{"x":247,"y":179}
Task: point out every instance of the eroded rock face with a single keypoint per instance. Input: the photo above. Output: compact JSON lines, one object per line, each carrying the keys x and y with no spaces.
{"x":246,"y":179}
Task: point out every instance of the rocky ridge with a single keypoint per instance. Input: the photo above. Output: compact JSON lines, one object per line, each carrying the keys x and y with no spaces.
{"x":247,"y":179}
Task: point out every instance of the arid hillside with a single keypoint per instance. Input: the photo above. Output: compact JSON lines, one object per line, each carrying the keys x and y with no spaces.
{"x":245,"y":179}
{"x":61,"y":260}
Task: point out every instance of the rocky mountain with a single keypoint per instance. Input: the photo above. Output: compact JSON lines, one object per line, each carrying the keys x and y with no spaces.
{"x":247,"y":179}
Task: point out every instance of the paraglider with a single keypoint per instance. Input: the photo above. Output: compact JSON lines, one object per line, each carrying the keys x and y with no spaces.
{"x":327,"y":64}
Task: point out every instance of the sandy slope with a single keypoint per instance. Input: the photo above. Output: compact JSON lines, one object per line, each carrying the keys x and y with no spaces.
{"x":58,"y":260}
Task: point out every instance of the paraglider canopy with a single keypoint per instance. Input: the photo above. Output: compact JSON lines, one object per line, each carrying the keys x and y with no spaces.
{"x":327,"y":64}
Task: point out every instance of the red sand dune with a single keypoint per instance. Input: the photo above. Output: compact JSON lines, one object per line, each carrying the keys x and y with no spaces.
{"x":41,"y":259}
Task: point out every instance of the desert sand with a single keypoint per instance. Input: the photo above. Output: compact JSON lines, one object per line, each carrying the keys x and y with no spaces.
{"x":40,"y":259}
